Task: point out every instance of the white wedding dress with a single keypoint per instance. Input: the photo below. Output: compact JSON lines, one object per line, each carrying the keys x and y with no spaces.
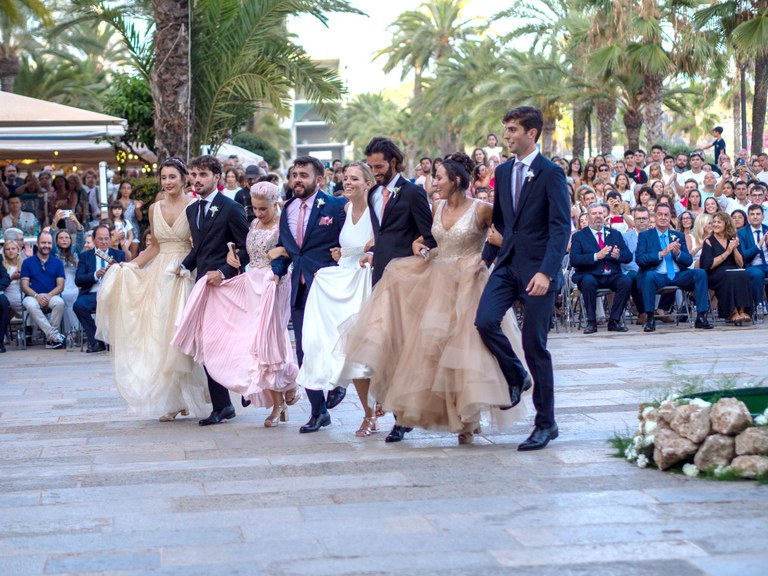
{"x":337,"y":293}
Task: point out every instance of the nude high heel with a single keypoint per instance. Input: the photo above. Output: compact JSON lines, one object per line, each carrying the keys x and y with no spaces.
{"x":278,"y":415}
{"x":369,"y":426}
{"x":171,"y":416}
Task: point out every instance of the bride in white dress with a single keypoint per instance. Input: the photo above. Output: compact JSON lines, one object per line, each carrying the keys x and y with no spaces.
{"x":337,"y":293}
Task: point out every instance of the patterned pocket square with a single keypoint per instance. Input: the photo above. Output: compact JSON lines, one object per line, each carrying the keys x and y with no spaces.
{"x":326,"y":221}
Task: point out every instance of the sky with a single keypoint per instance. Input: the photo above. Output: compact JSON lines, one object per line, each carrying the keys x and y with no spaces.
{"x":355,"y":39}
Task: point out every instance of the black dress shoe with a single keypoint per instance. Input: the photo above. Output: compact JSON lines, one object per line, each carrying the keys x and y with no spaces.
{"x":539,"y":438}
{"x":218,"y":416}
{"x":650,"y":324}
{"x":244,"y":402}
{"x":335,"y":397}
{"x":398,"y":433}
{"x":2,"y":348}
{"x":315,"y":423}
{"x":516,"y":393}
{"x":590,"y":328}
{"x":614,"y":326}
{"x":98,"y":347}
{"x":702,"y":322}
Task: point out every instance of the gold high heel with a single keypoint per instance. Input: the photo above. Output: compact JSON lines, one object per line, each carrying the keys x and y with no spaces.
{"x":171,"y":416}
{"x":369,"y":426}
{"x":275,"y":418}
{"x":469,"y":437}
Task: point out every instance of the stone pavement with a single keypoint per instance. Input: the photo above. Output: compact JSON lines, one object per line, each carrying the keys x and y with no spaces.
{"x":86,"y":488}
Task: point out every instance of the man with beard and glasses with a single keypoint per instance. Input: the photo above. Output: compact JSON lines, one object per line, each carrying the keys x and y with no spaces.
{"x":42,"y":280}
{"x":309,"y":228}
{"x":400,"y":214}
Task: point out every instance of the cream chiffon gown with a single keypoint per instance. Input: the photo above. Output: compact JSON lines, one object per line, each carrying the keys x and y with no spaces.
{"x":137,"y":312}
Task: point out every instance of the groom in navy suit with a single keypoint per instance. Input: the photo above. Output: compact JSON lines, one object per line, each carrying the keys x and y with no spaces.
{"x":309,"y":227}
{"x":752,"y":245}
{"x":531,"y":210}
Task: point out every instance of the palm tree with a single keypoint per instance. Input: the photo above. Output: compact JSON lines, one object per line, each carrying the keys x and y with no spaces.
{"x":16,"y":16}
{"x":425,"y":36}
{"x":743,"y":25}
{"x":366,"y":116}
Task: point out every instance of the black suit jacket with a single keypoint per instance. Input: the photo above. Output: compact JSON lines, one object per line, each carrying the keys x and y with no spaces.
{"x":536,"y":234}
{"x":86,"y":268}
{"x":583,"y":249}
{"x":225,"y":222}
{"x":5,"y":281}
{"x":407,"y":216}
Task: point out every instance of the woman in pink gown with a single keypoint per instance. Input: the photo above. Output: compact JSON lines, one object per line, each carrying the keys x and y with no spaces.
{"x":239,"y":329}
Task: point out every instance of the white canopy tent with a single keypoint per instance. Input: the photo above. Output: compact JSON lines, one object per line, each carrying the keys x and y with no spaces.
{"x":245,"y":157}
{"x":45,"y":132}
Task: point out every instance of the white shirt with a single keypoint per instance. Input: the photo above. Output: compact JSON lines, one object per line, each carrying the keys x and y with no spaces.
{"x":495,"y":151}
{"x":27,"y":222}
{"x":378,"y":199}
{"x":757,"y":261}
{"x":762,"y":176}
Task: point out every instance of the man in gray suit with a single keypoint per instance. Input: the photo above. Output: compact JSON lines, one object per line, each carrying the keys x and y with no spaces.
{"x":642,"y":223}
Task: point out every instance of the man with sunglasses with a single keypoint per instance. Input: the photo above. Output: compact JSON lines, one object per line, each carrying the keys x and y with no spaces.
{"x":42,"y":280}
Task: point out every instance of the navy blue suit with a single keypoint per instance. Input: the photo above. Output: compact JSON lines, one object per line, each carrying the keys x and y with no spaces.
{"x":647,"y":258}
{"x":590,"y":274}
{"x":406,"y":217}
{"x":322,"y":233}
{"x":85,"y":305}
{"x":535,"y":239}
{"x":757,"y":272}
{"x":225,"y":222}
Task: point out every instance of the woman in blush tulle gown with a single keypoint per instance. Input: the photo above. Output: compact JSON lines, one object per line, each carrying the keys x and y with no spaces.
{"x":239,"y":329}
{"x":337,"y":293}
{"x":139,"y":305}
{"x":416,"y":333}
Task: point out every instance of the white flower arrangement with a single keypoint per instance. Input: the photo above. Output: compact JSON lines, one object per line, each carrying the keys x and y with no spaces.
{"x":691,"y":470}
{"x":214,"y":209}
{"x":642,"y":461}
{"x":762,"y":419}
{"x":320,"y":202}
{"x":530,"y":175}
{"x":396,"y":191}
{"x":700,"y":403}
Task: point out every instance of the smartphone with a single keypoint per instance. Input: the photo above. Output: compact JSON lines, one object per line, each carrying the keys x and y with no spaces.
{"x":66,"y":213}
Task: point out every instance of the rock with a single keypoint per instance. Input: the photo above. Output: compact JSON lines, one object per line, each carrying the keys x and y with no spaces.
{"x":669,"y":448}
{"x":730,"y":416}
{"x":717,"y":450}
{"x":750,"y":466}
{"x":753,"y":441}
{"x":666,"y":412}
{"x":692,"y":422}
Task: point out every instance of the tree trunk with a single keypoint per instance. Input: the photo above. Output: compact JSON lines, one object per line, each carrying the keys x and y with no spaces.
{"x":171,"y":81}
{"x":10,"y":66}
{"x":579,"y":130}
{"x":654,"y":114}
{"x":416,"y":82}
{"x":633,"y":121}
{"x":736,"y":105}
{"x":548,"y":136}
{"x":758,"y":103}
{"x":606,"y":112}
{"x":450,"y":141}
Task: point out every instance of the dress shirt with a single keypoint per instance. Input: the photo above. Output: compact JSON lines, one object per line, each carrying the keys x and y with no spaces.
{"x":662,"y":268}
{"x":757,"y":261}
{"x":378,"y":199}
{"x":293,"y":215}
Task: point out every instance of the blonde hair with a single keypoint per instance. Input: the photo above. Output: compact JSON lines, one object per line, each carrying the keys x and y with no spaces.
{"x":364,"y":168}
{"x":266,"y":191}
{"x":19,"y":256}
{"x":701,"y":221}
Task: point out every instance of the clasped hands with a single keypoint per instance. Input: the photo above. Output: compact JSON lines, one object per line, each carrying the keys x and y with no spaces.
{"x":673,"y":247}
{"x":608,"y":250}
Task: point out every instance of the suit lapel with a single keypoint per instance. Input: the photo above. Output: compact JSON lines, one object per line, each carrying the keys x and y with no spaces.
{"x":393,"y":199}
{"x":285,"y":230}
{"x":209,"y":217}
{"x":314,"y":214}
{"x":527,"y":184}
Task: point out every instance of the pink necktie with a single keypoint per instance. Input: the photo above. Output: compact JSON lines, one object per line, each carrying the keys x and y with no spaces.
{"x":384,"y":199}
{"x":300,"y":224}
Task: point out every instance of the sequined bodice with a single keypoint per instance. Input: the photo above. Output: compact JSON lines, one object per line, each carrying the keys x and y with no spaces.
{"x":465,"y":238}
{"x":259,"y":242}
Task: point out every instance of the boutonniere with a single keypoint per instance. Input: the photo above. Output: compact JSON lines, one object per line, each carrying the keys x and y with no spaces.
{"x":320,"y":202}
{"x":396,"y":191}
{"x":214,"y":209}
{"x":529,"y":175}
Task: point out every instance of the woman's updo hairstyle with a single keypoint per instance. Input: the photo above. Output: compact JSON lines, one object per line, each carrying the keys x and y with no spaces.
{"x":266,"y":191}
{"x":458,"y":165}
{"x":175,"y":163}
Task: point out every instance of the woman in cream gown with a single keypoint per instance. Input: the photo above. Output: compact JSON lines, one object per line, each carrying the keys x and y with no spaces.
{"x":139,"y":305}
{"x":416,"y":333}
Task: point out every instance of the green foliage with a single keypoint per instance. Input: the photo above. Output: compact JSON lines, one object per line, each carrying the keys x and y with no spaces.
{"x":620,"y":442}
{"x":366,"y":116}
{"x":145,"y":189}
{"x":259,"y":145}
{"x":130,"y":97}
{"x":243,"y":57}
